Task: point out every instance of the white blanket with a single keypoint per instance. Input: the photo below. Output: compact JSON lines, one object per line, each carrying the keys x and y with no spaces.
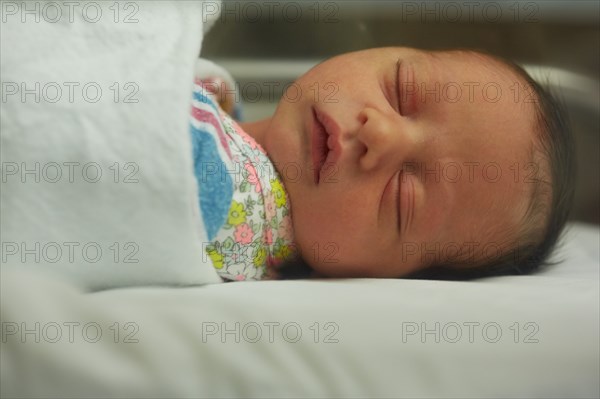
{"x":97,"y":177}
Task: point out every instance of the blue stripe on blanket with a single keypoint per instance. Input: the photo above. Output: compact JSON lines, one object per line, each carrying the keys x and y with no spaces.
{"x":203,"y":99}
{"x":215,"y":184}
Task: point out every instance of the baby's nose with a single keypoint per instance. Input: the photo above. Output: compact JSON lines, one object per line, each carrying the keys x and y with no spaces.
{"x":386,"y":138}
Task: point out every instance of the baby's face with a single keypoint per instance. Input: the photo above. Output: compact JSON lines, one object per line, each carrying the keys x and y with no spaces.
{"x":418,"y":154}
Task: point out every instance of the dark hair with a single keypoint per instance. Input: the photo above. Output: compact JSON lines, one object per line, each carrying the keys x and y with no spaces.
{"x":549,"y":207}
{"x":550,"y":203}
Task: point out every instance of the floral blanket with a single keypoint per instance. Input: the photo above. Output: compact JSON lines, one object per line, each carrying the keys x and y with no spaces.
{"x":242,"y":199}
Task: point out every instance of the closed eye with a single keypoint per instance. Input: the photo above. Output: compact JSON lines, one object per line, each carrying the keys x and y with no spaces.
{"x":399,"y":201}
{"x":397,"y":86}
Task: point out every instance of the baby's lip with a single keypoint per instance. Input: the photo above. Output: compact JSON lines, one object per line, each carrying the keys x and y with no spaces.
{"x":326,"y":133}
{"x":319,"y":148}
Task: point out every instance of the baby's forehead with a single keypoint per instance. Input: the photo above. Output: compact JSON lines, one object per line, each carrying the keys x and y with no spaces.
{"x":500,"y":81}
{"x":485,"y":63}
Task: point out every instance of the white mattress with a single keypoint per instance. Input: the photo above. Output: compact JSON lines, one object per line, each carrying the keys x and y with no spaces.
{"x":364,"y":346}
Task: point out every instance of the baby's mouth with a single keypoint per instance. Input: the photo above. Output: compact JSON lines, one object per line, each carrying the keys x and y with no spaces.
{"x":320,"y":150}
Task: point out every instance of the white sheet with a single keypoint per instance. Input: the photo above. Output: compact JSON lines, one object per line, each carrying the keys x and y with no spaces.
{"x":177,"y":356}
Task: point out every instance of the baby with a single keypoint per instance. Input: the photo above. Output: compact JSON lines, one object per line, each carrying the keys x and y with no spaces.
{"x":398,"y":162}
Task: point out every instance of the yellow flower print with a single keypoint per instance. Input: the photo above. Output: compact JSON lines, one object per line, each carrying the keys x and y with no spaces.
{"x":237,"y":214}
{"x":261,"y":257}
{"x":278,"y":192}
{"x":216,"y":257}
{"x":283,"y":252}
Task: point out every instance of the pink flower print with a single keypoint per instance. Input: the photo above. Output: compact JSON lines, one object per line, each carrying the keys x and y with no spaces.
{"x":270,"y":207}
{"x":247,"y":139}
{"x":273,"y":262}
{"x":285,"y":228}
{"x":243,"y":234}
{"x":253,"y":177}
{"x":268,"y":236}
{"x":242,"y":272}
{"x":252,"y":143}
